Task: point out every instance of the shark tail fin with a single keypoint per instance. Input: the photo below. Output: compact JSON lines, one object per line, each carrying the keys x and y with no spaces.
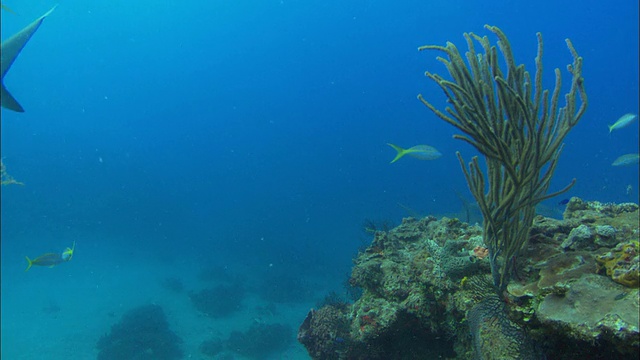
{"x":29,"y":263}
{"x":10,"y":50}
{"x":9,"y":102}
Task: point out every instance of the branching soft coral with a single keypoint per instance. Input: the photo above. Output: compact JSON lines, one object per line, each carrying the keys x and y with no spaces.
{"x":6,"y":178}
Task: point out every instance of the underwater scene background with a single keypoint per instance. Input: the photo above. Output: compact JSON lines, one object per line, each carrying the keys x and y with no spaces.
{"x":218,"y":163}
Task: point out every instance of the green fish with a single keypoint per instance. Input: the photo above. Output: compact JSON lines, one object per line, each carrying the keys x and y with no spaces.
{"x":6,"y":8}
{"x":51,"y":259}
{"x":624,"y":120}
{"x":627,"y":159}
{"x":422,"y":152}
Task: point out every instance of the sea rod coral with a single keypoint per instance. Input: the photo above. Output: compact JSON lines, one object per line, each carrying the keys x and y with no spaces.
{"x":517,"y":126}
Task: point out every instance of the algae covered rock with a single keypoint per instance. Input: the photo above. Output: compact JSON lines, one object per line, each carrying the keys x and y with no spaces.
{"x":581,"y":237}
{"x":594,"y":308}
{"x":325,"y":332}
{"x":563,"y":294}
{"x":407,"y":276}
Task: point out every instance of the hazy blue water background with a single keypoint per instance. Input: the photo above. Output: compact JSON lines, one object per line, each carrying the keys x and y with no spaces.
{"x":252,"y":134}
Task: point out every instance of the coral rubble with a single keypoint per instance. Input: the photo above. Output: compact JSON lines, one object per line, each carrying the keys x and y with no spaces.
{"x":574,"y":294}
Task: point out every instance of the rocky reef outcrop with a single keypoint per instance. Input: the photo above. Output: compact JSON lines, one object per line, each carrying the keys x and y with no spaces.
{"x":425,"y":289}
{"x":142,"y":334}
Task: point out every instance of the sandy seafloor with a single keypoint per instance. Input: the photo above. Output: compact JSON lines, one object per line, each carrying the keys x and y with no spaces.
{"x":97,"y":287}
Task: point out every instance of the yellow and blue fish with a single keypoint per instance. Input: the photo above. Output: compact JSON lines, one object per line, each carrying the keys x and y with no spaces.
{"x":624,"y":120}
{"x":626,"y":160}
{"x":422,"y":152}
{"x":51,"y":259}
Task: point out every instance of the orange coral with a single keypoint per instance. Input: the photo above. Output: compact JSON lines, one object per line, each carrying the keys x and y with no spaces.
{"x":622,"y":263}
{"x":480,"y":252}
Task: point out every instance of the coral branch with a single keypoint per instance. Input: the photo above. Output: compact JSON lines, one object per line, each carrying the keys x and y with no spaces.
{"x":516,"y":126}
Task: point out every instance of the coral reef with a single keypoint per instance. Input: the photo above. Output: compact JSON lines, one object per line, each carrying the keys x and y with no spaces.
{"x":424,"y":277}
{"x":324,"y":332}
{"x":143,"y":333}
{"x":370,"y":226}
{"x":218,"y":301}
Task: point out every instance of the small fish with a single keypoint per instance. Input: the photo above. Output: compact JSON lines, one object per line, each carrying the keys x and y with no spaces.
{"x":51,"y":259}
{"x":422,"y":152}
{"x":620,"y":296}
{"x":624,"y":120}
{"x":6,"y":8}
{"x":627,"y":159}
{"x":563,"y":202}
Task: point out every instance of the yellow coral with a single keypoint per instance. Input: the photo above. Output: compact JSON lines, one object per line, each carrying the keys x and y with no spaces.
{"x":622,"y":264}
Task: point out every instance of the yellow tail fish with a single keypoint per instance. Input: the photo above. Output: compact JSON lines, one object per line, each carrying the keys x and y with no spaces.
{"x":422,"y":152}
{"x":624,"y":120}
{"x":51,"y":259}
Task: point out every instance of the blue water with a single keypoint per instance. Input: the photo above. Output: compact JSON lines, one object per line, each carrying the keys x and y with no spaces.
{"x":167,"y":137}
